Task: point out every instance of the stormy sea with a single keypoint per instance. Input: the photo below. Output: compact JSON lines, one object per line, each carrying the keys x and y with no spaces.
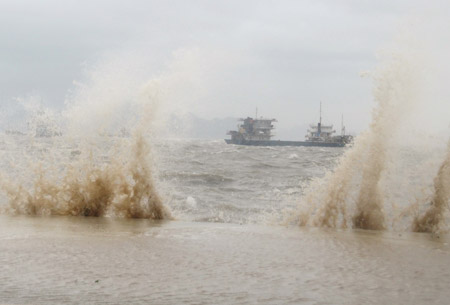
{"x":98,"y":208}
{"x":215,"y":224}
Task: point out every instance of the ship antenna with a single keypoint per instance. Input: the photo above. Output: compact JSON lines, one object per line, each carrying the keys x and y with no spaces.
{"x":342,"y":126}
{"x":320,"y":114}
{"x":256,"y":115}
{"x":319,"y":126}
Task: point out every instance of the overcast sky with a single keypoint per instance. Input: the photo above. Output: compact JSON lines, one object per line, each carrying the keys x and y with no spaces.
{"x":283,"y":57}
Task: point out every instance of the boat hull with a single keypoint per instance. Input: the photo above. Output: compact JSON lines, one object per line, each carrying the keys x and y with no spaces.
{"x":284,"y":143}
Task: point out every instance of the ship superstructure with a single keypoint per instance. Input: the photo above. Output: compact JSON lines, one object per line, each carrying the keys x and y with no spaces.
{"x":253,"y":130}
{"x":319,"y":132}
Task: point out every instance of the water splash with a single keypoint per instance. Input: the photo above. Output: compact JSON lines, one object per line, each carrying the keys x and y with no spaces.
{"x":360,"y":170}
{"x":395,"y":91}
{"x":122,"y":188}
{"x":99,"y":178}
{"x":333,"y":213}
{"x":432,"y":220}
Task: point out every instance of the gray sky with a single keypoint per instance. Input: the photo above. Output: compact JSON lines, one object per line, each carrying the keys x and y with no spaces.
{"x":229,"y":56}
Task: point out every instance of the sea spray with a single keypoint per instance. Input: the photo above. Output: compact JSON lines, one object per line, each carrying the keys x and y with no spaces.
{"x":333,"y":213}
{"x":396,"y":90}
{"x":432,"y":220}
{"x":360,"y":169}
{"x":121,"y":188}
{"x":104,"y":175}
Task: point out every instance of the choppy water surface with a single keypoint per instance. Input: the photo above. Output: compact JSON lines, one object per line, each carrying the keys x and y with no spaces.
{"x":227,"y":244}
{"x":215,"y":182}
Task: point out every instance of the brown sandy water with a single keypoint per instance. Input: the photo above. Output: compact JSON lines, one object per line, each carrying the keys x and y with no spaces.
{"x":355,"y":183}
{"x":122,"y":187}
{"x":434,"y":217}
{"x":78,"y":260}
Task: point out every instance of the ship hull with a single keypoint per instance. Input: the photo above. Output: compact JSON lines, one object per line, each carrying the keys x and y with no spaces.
{"x":284,"y":143}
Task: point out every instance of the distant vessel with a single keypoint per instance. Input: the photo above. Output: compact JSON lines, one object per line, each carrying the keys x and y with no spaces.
{"x":12,"y":132}
{"x":43,"y":124}
{"x":258,"y":132}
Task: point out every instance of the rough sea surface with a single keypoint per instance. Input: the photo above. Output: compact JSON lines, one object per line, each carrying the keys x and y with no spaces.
{"x":227,"y":242}
{"x":208,"y":180}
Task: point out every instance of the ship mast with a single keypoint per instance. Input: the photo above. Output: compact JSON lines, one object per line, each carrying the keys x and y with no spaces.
{"x":320,"y":113}
{"x":319,"y":126}
{"x":342,"y":126}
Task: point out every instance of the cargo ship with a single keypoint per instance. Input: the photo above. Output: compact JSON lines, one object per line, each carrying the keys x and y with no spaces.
{"x":258,"y":132}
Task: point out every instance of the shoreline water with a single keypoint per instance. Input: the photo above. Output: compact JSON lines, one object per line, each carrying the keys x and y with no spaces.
{"x":73,"y":260}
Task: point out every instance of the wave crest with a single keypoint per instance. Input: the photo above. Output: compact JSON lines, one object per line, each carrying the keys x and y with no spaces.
{"x":122,"y":188}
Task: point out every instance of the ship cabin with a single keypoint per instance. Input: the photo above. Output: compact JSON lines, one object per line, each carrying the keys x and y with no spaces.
{"x":320,"y":132}
{"x":253,"y":129}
